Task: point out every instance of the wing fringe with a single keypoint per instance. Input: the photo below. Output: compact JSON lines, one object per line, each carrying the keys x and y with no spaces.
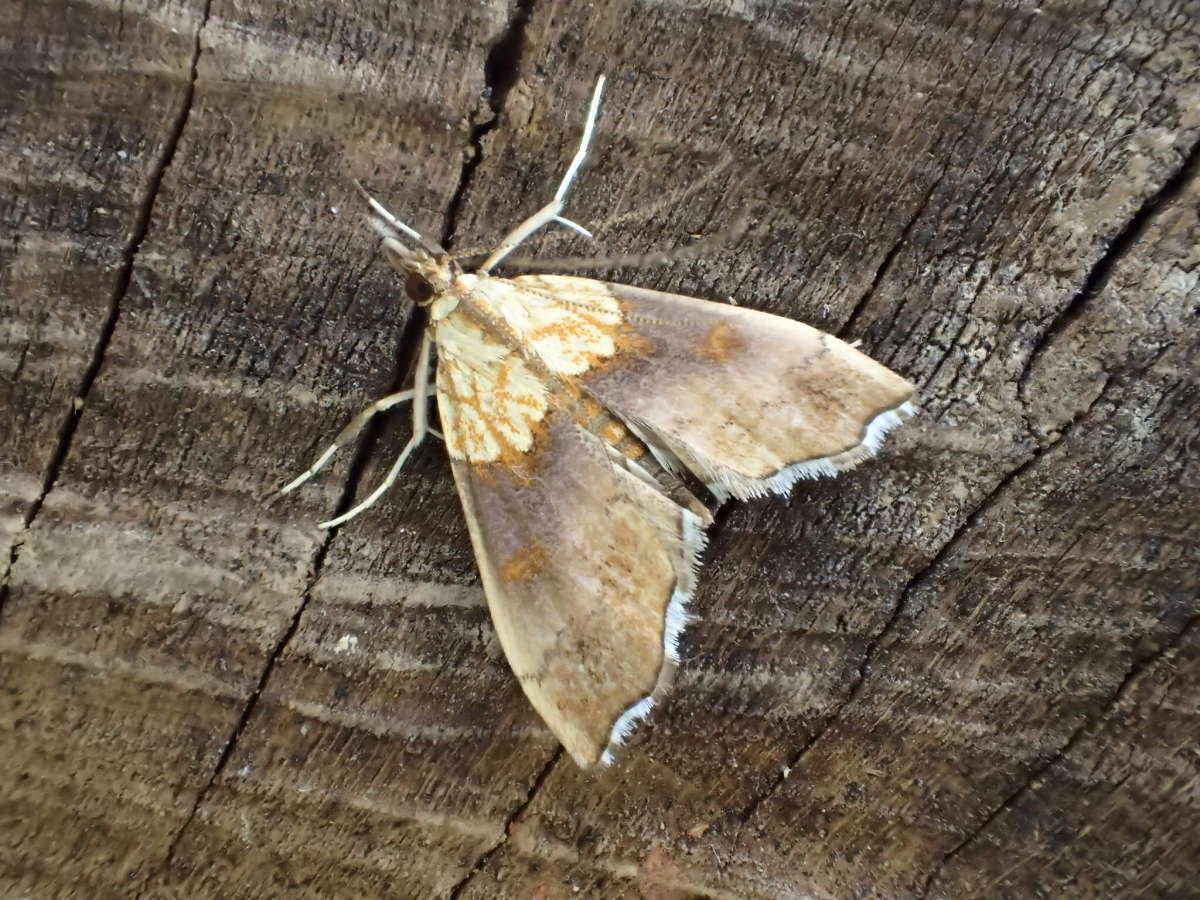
{"x":724,"y":483}
{"x":675,"y":621}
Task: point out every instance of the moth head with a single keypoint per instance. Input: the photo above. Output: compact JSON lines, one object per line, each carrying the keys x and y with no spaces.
{"x":426,"y":274}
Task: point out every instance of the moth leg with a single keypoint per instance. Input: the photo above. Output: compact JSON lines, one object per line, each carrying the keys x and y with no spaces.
{"x":346,"y":435}
{"x":420,"y":399}
{"x":392,"y":475}
{"x":551,"y":211}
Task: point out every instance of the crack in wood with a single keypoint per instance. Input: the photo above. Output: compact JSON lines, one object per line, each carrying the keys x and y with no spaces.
{"x":358,"y":467}
{"x":252,"y":701}
{"x":500,"y":71}
{"x":129,"y":252}
{"x":917,"y":580}
{"x":1094,"y":282}
{"x":889,"y":259}
{"x":506,"y":832}
{"x":1137,"y":666}
{"x":1101,"y":271}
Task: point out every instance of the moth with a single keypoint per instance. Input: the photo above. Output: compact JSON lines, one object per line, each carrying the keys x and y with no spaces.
{"x":581,"y":417}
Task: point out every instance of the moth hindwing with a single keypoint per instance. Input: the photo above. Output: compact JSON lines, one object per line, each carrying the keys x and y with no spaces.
{"x":572,"y":409}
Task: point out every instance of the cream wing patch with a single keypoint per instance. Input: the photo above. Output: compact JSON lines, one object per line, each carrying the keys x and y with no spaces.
{"x":568,"y":330}
{"x":490,"y":402}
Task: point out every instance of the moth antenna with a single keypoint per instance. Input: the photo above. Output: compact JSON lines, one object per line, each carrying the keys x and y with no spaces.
{"x":633,"y":260}
{"x":584,"y":141}
{"x":550,"y":212}
{"x":386,"y":215}
{"x":470,"y":259}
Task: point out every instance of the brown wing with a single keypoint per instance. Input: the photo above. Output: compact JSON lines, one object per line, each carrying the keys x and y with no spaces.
{"x":586,"y":563}
{"x":747,"y":401}
{"x":588,"y":570}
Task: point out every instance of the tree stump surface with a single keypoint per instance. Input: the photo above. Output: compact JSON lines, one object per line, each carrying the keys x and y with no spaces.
{"x":969,"y":668}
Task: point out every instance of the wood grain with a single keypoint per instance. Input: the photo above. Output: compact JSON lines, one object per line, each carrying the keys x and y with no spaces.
{"x":969,"y":669}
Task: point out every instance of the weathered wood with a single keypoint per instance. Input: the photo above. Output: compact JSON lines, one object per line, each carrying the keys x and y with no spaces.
{"x":971,"y":668}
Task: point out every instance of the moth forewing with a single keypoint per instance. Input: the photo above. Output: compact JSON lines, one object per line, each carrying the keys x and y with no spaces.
{"x":748,"y":402}
{"x":550,"y":389}
{"x":569,"y":406}
{"x":587,"y":571}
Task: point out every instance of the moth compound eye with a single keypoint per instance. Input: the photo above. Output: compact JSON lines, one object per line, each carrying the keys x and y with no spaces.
{"x":419,"y":290}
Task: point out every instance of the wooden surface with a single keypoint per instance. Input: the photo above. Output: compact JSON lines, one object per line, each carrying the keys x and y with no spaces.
{"x":971,"y":668}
